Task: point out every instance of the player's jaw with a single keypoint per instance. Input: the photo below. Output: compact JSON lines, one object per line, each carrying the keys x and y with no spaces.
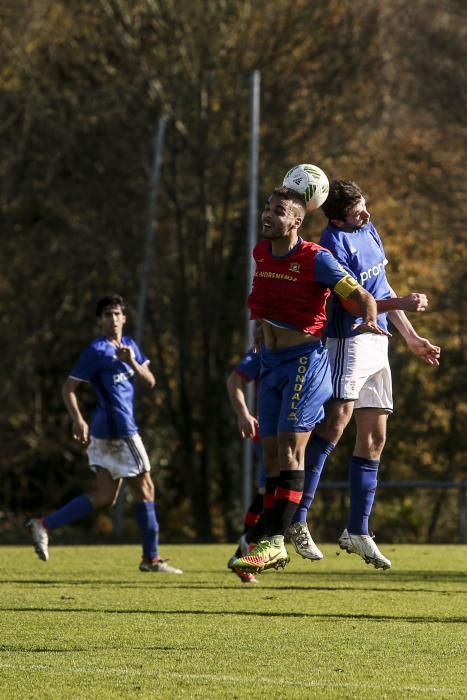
{"x":269,"y":231}
{"x":272,"y":229}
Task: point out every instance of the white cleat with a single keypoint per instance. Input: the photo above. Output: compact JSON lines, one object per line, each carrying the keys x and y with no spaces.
{"x":40,"y":538}
{"x":365,"y":547}
{"x":299,"y":536}
{"x":159,"y":566}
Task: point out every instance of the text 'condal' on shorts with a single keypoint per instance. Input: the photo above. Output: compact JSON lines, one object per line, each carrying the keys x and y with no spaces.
{"x":294,"y":384}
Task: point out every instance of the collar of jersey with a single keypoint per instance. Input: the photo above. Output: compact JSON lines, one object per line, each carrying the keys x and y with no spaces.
{"x":290,"y":252}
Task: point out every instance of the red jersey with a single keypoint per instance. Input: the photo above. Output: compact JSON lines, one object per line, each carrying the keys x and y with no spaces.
{"x":286,"y":290}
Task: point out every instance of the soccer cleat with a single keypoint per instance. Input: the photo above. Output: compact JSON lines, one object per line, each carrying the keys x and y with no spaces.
{"x":245,"y":576}
{"x":268,"y":554}
{"x":40,"y":538}
{"x":243,"y":548}
{"x":233,"y":558}
{"x":299,"y":535}
{"x":158,"y":566}
{"x":364,"y":546}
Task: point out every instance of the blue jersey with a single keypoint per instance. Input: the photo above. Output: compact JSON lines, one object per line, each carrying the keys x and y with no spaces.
{"x":249,"y":366}
{"x":361,"y":253}
{"x":113,"y":382}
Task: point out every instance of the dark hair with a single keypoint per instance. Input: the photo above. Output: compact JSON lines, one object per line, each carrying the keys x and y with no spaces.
{"x":291,"y":195}
{"x":343,"y":196}
{"x":110,"y":300}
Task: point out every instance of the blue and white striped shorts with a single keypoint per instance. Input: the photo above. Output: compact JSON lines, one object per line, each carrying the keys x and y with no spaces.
{"x":360,"y":370}
{"x":122,"y":457}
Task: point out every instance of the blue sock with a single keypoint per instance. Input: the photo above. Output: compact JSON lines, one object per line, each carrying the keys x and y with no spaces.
{"x":145,"y":516}
{"x":363,"y":479}
{"x":80,"y":507}
{"x":316,"y":454}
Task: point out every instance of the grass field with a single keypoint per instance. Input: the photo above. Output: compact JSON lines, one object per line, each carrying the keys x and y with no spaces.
{"x":88,"y":624}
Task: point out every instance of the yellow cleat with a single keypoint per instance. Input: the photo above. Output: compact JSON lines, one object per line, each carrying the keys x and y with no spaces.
{"x":268,"y":554}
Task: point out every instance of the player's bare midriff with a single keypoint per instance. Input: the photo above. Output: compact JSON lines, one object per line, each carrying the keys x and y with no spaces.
{"x":279,"y":338}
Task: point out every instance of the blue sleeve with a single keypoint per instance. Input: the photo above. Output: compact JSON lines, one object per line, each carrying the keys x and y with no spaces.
{"x":249,"y":366}
{"x":87,"y":365}
{"x":327,"y":270}
{"x":338,"y":250}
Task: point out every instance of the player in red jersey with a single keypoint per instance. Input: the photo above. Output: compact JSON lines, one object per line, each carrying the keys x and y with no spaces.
{"x":292,"y":281}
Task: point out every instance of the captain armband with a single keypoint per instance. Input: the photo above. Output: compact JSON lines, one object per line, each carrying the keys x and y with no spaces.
{"x":346,"y":286}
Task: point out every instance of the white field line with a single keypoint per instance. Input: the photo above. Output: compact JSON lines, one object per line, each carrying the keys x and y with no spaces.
{"x":239,"y":680}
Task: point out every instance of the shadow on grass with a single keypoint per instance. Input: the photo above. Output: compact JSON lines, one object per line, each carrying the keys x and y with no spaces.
{"x":52,"y":650}
{"x":375,"y":581}
{"x":248,"y":613}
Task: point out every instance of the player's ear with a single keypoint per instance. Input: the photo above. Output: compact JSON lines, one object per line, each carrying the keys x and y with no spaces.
{"x":337,"y":222}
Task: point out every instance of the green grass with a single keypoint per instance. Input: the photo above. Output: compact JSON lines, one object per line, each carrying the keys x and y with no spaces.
{"x":88,"y":624}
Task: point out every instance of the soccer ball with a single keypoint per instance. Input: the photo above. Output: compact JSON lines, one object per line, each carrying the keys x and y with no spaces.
{"x":311,"y":182}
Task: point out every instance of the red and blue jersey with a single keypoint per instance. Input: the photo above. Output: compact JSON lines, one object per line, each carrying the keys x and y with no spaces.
{"x":292,"y":289}
{"x":113,"y":382}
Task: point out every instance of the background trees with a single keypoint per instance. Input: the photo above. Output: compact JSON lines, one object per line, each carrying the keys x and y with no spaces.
{"x":370,"y":91}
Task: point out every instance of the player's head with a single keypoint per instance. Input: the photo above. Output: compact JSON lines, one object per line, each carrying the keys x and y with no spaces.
{"x":345,"y":204}
{"x":283,"y":213}
{"x":110,"y":311}
{"x":110,"y":301}
{"x":297,"y":200}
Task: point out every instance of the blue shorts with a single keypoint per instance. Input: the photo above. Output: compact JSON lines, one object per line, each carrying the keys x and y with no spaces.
{"x":294,"y":385}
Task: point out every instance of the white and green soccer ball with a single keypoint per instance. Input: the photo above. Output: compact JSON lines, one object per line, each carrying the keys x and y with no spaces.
{"x":309,"y":181}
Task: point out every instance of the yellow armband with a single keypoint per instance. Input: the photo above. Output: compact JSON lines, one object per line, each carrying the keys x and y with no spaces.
{"x":346,"y":286}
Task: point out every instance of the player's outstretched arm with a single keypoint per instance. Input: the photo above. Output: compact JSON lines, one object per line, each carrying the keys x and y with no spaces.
{"x":421,"y":347}
{"x":247,"y":424}
{"x":425,"y":350}
{"x":415,"y":301}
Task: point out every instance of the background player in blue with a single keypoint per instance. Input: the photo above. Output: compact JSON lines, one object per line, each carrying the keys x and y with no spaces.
{"x":115,"y":450}
{"x":361,"y":374}
{"x":246,"y":371}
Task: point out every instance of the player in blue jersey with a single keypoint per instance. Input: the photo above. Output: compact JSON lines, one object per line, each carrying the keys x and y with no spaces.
{"x":110,"y":364}
{"x":292,"y":280}
{"x":361,"y":376}
{"x":246,"y":371}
